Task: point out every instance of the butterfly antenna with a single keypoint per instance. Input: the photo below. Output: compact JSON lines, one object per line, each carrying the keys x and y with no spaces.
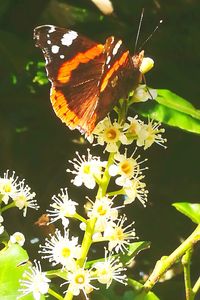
{"x":150,"y":36}
{"x":138,"y":31}
{"x":145,"y":82}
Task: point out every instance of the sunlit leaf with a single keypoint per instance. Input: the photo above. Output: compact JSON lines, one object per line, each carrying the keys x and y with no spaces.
{"x":172,"y":110}
{"x":134,"y":249}
{"x":138,"y":293}
{"x":191,"y":210}
{"x":13,"y":262}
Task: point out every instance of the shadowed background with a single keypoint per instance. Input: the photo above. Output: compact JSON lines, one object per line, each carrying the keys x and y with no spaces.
{"x":37,"y":145}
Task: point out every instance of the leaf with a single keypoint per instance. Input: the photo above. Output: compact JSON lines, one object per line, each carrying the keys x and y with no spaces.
{"x":107,"y":294}
{"x":13,"y":262}
{"x":134,"y":249}
{"x":191,"y":210}
{"x":172,"y":110}
{"x":138,"y":293}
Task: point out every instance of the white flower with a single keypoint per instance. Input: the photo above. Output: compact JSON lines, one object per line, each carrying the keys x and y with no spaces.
{"x":79,"y":280}
{"x":35,"y":282}
{"x":8,"y":186}
{"x":61,"y":250}
{"x":23,"y":198}
{"x":110,"y":269}
{"x":110,"y":134}
{"x":149,"y":134}
{"x":1,"y":226}
{"x":135,"y":189}
{"x":103,"y":211}
{"x":86,"y":170}
{"x":119,"y":237}
{"x":17,"y":238}
{"x":142,"y":93}
{"x":126,"y":167}
{"x":144,"y":134}
{"x":132,"y":128}
{"x":63,"y":207}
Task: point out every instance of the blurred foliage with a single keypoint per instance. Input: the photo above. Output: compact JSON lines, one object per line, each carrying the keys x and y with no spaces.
{"x":37,"y":145}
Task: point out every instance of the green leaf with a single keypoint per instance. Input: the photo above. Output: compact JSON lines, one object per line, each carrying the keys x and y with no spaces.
{"x":172,"y":110}
{"x":133,"y":250}
{"x":191,"y":210}
{"x":138,"y":293}
{"x":13,"y":262}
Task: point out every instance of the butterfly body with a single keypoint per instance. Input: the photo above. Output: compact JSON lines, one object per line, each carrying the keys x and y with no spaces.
{"x":86,"y":78}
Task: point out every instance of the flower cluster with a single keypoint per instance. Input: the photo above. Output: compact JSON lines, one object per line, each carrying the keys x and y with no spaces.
{"x":112,"y":134}
{"x":103,"y":220}
{"x":15,"y":190}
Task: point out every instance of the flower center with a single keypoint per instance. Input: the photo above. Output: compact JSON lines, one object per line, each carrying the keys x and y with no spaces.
{"x":7,"y":187}
{"x":112,"y":134}
{"x":133,"y":129}
{"x":20,"y":201}
{"x":127,"y":167}
{"x":66,"y":252}
{"x":101,"y":210}
{"x":80,"y":279}
{"x":119,"y":233}
{"x":86,"y":169}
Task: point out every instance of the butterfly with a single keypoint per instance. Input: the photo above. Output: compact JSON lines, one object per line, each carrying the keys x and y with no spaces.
{"x":87,"y":78}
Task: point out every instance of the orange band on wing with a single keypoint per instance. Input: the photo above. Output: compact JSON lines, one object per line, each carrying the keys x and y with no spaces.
{"x":114,"y":68}
{"x":60,"y":106}
{"x":68,"y":116}
{"x":64,"y":73}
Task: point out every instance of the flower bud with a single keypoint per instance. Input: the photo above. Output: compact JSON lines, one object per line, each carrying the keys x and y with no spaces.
{"x":146,"y":65}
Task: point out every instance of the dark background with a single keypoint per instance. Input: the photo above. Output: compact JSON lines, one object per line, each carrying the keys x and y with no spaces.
{"x":37,"y":145}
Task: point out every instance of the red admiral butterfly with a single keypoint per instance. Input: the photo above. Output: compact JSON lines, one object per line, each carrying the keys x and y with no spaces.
{"x":86,"y":78}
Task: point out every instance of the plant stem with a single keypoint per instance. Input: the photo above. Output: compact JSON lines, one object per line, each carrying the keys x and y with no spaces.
{"x":69,"y":295}
{"x":87,"y":241}
{"x":56,"y":295}
{"x":196,"y":287}
{"x":166,"y":262}
{"x":186,"y":259}
{"x":8,"y":206}
{"x":106,"y":177}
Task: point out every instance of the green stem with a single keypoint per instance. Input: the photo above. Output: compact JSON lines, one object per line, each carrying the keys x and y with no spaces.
{"x":78,"y":217}
{"x":106,"y":177}
{"x":8,"y":206}
{"x":186,"y":259}
{"x":68,"y":295}
{"x":87,"y":241}
{"x":54,"y":294}
{"x":119,"y":192}
{"x":165,"y":263}
{"x":196,"y":286}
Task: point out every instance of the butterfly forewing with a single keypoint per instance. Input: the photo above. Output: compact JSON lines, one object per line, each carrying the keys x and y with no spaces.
{"x":87,"y":78}
{"x":74,"y":66}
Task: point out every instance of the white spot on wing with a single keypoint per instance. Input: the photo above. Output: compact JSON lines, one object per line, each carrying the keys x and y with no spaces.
{"x":116,"y":48}
{"x":48,"y":42}
{"x":52,"y":29}
{"x":68,"y":38}
{"x":62,"y":56}
{"x":55,"y":49}
{"x":108,"y":60}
